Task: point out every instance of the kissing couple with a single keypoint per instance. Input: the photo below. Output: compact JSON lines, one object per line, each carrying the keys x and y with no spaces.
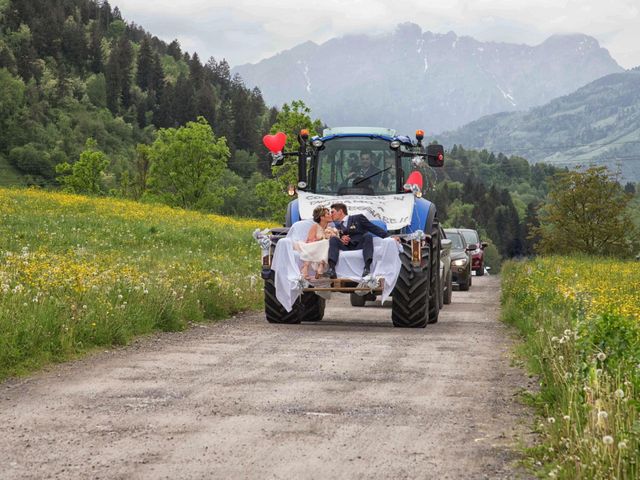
{"x":335,"y":230}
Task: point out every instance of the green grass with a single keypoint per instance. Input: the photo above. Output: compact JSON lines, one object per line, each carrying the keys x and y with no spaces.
{"x":78,"y":272}
{"x":580,"y":323}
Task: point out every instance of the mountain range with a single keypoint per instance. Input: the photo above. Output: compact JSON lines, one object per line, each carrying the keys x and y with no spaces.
{"x":597,"y":124}
{"x":413,"y":79}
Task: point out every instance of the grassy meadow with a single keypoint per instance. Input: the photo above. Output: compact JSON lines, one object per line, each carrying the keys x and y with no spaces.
{"x":79,"y":272}
{"x":580,"y":318}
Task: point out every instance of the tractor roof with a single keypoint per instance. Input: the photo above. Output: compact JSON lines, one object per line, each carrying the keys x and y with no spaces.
{"x":376,"y":131}
{"x":387,"y":134}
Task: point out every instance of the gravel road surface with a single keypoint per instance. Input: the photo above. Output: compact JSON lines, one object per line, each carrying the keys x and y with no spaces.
{"x":348,"y":397}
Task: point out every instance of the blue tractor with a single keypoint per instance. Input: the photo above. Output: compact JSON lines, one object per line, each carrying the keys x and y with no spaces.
{"x":328,"y":169}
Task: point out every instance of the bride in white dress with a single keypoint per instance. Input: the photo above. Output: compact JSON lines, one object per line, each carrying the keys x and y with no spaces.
{"x":314,"y":252}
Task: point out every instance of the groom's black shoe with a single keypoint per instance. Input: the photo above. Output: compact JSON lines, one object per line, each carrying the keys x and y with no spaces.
{"x":366,"y":271}
{"x":331,"y":272}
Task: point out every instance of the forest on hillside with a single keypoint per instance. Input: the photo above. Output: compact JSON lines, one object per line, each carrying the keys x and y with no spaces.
{"x":74,"y":69}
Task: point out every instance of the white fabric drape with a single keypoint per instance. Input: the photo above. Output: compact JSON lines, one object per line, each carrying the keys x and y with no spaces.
{"x":286,"y":264}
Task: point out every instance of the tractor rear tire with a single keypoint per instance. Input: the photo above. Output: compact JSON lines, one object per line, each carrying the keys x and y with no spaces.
{"x":311,"y":307}
{"x":410,"y":298}
{"x":357,"y":300}
{"x":274,"y":310}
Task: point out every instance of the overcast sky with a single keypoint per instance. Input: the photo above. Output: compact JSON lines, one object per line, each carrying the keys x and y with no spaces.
{"x":245,"y":31}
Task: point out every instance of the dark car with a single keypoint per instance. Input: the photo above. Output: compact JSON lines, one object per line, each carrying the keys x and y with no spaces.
{"x":477,"y":254}
{"x":460,"y":259}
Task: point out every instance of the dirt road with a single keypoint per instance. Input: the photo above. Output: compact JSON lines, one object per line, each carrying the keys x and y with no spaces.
{"x":349,"y":397}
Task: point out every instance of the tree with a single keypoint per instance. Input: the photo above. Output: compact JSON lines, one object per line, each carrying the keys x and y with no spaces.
{"x":290,"y":120}
{"x":118,"y":75}
{"x":586,"y":212}
{"x":531,"y":222}
{"x":84,"y":176}
{"x":174,"y":50}
{"x":185,"y":162}
{"x":31,"y":160}
{"x":144,"y":76}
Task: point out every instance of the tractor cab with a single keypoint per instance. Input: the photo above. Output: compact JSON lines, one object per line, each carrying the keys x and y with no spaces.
{"x":361,"y":161}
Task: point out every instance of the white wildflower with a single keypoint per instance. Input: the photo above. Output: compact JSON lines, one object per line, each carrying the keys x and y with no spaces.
{"x":619,"y":393}
{"x":601,"y":356}
{"x":566,"y":418}
{"x":607,"y":439}
{"x":602,"y":415}
{"x":622,"y":445}
{"x":551,"y":420}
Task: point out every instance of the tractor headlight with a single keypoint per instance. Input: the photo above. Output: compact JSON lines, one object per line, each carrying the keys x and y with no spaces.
{"x":460,"y":263}
{"x":395,"y":144}
{"x":302,"y":185}
{"x":317,"y":143}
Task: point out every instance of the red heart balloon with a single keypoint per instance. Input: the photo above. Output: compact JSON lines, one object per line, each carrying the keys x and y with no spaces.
{"x":275,"y":143}
{"x":415,"y":178}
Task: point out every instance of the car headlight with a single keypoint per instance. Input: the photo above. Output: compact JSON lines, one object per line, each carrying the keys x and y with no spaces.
{"x":460,"y":263}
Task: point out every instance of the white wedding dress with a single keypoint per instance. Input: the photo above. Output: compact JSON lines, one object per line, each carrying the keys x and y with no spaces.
{"x":315,"y":252}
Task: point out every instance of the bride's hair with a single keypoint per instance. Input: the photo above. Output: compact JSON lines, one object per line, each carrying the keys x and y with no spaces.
{"x":318,"y":213}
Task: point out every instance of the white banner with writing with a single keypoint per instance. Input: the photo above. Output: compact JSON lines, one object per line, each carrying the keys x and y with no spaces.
{"x":394,"y":210}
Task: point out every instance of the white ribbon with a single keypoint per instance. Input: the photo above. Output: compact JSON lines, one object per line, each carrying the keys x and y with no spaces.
{"x":263,"y":240}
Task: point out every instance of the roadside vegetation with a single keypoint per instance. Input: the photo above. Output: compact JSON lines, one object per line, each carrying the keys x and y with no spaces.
{"x":580,"y":319}
{"x":79,"y":272}
{"x":579,"y":315}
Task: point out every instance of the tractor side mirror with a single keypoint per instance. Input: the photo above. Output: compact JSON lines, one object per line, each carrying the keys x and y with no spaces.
{"x":471,"y":247}
{"x":435,"y":155}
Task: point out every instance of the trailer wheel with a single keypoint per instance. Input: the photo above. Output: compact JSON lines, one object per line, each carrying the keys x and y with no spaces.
{"x":435,"y":289}
{"x":357,"y":300}
{"x":274,"y":310}
{"x":448,"y":293}
{"x":410,"y":298}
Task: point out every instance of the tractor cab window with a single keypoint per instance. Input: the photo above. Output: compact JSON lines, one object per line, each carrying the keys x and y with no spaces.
{"x":358,"y":165}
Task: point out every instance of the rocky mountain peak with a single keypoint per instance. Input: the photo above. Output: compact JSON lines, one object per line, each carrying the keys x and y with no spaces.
{"x":412,"y":78}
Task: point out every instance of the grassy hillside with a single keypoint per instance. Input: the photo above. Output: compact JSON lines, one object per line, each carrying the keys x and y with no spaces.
{"x":78,"y":272}
{"x":580,"y":318}
{"x":599,"y":123}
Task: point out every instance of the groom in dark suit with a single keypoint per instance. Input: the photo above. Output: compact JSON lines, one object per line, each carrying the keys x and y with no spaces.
{"x":355,"y":232}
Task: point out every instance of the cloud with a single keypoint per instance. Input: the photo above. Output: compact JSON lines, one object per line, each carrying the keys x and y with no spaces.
{"x":248,"y":30}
